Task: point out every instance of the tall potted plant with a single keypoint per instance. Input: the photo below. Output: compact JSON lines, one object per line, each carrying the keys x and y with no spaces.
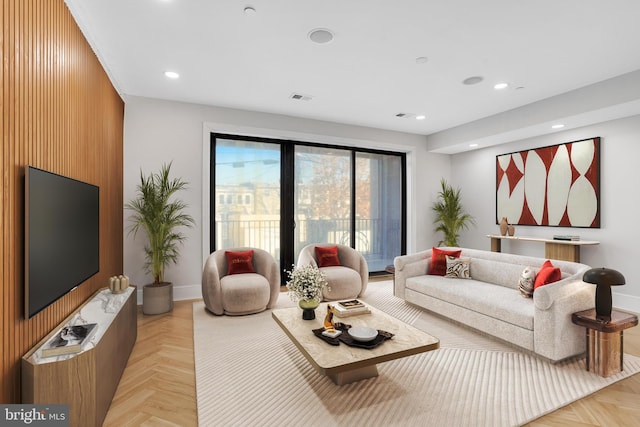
{"x":450,"y":215}
{"x":159,"y":215}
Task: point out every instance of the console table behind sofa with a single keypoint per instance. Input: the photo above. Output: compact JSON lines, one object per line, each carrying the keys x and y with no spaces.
{"x":565,"y":250}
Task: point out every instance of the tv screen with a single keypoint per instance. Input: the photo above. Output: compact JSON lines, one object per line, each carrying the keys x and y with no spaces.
{"x":62,"y":236}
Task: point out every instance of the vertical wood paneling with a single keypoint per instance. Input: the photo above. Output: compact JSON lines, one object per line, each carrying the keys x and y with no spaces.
{"x":59,"y":113}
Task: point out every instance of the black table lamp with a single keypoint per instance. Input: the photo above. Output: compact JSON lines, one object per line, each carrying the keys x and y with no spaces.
{"x":604,"y":279}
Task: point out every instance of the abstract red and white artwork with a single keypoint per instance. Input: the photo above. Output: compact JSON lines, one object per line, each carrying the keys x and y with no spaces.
{"x":557,"y":185}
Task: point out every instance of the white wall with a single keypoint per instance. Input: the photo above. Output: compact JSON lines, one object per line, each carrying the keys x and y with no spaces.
{"x":474,"y":173}
{"x":157,"y":131}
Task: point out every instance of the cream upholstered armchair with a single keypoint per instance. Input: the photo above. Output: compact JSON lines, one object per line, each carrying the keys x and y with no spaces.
{"x":347,"y":276}
{"x":240,"y":281}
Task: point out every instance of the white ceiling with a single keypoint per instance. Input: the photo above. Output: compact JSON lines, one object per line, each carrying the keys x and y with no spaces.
{"x":368,"y":72}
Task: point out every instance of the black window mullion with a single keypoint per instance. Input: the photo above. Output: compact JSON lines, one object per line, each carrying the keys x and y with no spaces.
{"x":212,"y":193}
{"x":287,"y":211}
{"x":353,"y":199}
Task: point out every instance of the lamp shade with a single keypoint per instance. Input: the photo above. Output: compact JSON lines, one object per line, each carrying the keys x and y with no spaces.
{"x":604,"y":279}
{"x":603,"y":276}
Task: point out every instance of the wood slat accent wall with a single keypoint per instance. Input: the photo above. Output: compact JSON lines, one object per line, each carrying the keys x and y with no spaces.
{"x":60,"y":113}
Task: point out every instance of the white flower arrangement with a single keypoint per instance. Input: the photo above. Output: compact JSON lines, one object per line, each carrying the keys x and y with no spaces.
{"x":306,"y":283}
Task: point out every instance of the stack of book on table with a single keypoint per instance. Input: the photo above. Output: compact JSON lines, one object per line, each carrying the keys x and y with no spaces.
{"x":352,"y":307}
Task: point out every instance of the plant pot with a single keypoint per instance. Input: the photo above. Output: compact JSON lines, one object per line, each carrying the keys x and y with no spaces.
{"x":157,"y":299}
{"x":308,"y":308}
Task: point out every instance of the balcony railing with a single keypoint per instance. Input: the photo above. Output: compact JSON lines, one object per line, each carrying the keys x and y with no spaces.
{"x":377,"y":240}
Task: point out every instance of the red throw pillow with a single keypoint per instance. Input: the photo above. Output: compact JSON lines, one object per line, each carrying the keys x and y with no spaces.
{"x":439,"y":261}
{"x":547,"y":274}
{"x":240,"y":262}
{"x":327,"y":256}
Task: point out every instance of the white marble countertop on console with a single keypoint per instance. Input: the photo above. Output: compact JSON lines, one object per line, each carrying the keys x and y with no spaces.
{"x":100,"y":309}
{"x":541,"y":239}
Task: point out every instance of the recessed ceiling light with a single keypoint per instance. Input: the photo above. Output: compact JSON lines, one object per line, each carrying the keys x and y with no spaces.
{"x":499,"y":86}
{"x":171,"y":74}
{"x":421,"y":117}
{"x":422,"y":60}
{"x":558,"y":126}
{"x":473,"y":145}
{"x":472,"y":80}
{"x":249,"y":10}
{"x":321,"y":35}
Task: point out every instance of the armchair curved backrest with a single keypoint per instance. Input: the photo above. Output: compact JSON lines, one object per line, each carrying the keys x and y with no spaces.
{"x":348,"y":257}
{"x":216,"y":268}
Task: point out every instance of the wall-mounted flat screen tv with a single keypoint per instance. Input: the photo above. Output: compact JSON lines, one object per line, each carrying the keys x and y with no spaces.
{"x":62,"y":236}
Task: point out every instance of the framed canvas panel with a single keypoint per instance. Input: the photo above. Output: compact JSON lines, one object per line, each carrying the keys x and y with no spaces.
{"x":558,"y":185}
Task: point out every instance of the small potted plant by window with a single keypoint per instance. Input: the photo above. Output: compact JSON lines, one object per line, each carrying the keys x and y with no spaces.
{"x":159,"y":216}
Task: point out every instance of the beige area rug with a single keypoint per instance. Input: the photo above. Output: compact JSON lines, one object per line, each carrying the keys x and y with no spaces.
{"x":248,"y":373}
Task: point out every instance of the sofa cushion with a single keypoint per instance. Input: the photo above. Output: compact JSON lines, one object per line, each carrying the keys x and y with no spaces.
{"x":496,"y":272}
{"x":244,"y":292}
{"x":494,"y":301}
{"x":239,"y":262}
{"x":547,"y":274}
{"x":438,"y":266}
{"x":344,"y":283}
{"x":327,"y":256}
{"x":457,"y":268}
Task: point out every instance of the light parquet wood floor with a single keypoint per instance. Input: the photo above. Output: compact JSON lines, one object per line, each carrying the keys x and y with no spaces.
{"x":158,"y":385}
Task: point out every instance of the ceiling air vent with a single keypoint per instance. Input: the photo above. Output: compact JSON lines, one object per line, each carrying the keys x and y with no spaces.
{"x":301,"y":97}
{"x":406,"y":115}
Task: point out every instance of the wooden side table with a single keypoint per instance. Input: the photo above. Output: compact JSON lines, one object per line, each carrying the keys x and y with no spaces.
{"x":604,"y":339}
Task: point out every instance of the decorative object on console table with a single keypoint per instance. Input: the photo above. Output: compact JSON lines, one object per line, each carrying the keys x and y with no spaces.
{"x":604,"y":339}
{"x":70,"y":339}
{"x":155,"y":212}
{"x":603,"y":278}
{"x":504,"y":226}
{"x":305,"y":284}
{"x":511,"y":229}
{"x":118,"y":284}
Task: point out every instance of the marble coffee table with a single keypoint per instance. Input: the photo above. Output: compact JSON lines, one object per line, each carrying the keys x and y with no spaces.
{"x":345,"y":364}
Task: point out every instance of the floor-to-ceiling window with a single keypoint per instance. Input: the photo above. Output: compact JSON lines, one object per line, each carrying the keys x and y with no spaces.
{"x":247,"y":195}
{"x":282,"y":195}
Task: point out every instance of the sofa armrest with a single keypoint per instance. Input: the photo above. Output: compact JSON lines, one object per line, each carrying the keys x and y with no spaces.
{"x":555,"y":336}
{"x":211,"y":291}
{"x":407,"y":266}
{"x":545,"y":296}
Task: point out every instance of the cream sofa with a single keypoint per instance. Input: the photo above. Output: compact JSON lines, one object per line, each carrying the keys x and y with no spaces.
{"x":490,"y":301}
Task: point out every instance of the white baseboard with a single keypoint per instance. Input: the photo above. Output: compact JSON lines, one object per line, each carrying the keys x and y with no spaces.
{"x":180,"y":292}
{"x":626,"y":302}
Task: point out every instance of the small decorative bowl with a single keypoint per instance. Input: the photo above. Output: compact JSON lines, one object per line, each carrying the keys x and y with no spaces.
{"x":363,"y":333}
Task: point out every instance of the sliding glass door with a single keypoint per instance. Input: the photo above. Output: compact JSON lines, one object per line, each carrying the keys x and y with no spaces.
{"x":322,"y":202}
{"x":247,"y":195}
{"x":283,"y":195}
{"x":379,"y":208}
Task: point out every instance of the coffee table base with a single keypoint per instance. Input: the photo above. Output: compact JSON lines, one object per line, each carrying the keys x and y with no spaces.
{"x":353,"y":375}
